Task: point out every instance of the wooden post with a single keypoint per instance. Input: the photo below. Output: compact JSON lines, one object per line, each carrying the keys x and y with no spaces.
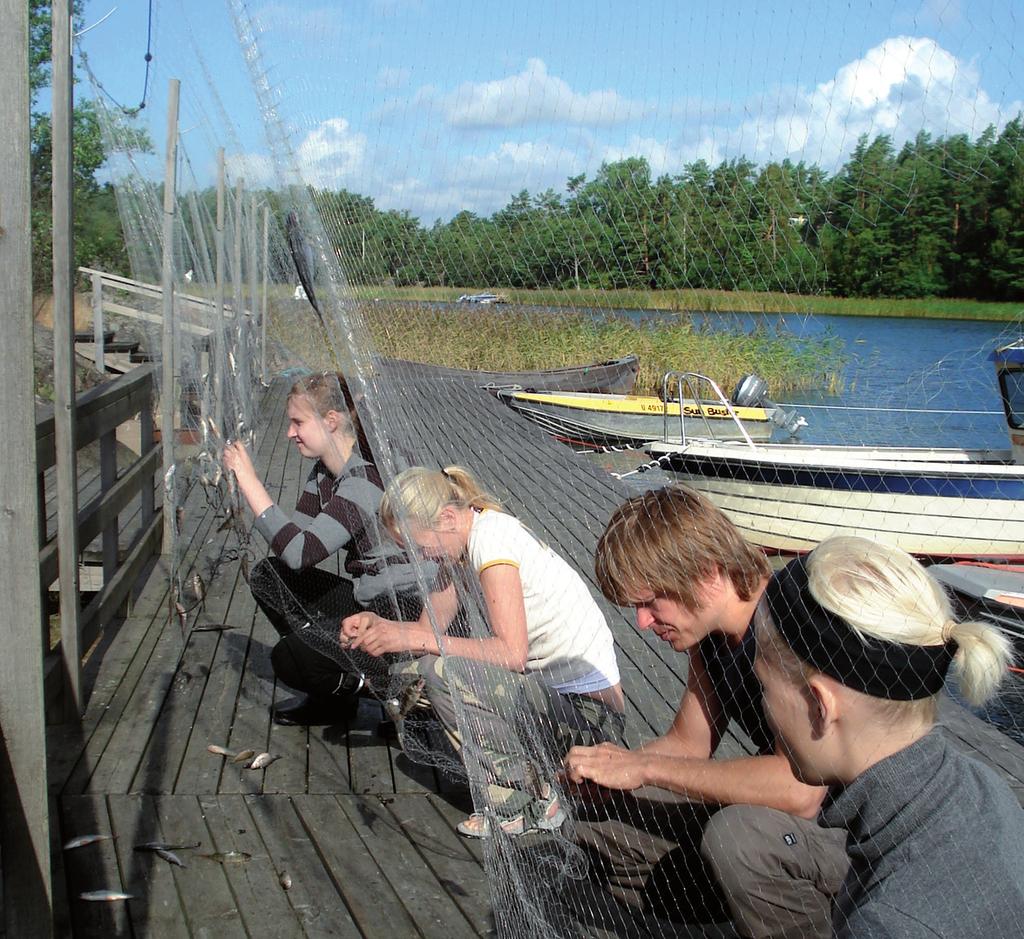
{"x":241,"y":339}
{"x":97,"y":322}
{"x":264,"y":374}
{"x":24,"y":817}
{"x":253,"y":270}
{"x":108,"y":476}
{"x":168,"y":396}
{"x":219,"y":364}
{"x":64,"y":362}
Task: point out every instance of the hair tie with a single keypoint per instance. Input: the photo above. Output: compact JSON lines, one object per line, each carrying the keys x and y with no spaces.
{"x":948,"y":628}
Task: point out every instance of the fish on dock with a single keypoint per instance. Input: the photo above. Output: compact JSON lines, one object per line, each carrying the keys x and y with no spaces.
{"x":101,"y":895}
{"x":262,"y":761}
{"x":170,"y":857}
{"x":157,"y":846}
{"x":82,"y":840}
{"x":228,"y":857}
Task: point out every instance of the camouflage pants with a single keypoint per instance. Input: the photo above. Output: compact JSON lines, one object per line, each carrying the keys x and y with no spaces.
{"x":511,"y":730}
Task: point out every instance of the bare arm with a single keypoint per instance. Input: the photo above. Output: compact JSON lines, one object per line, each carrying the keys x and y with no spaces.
{"x":506,"y":646}
{"x":680,"y":761}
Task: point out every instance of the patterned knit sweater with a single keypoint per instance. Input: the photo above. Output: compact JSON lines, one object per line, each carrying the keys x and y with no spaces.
{"x":341,"y":512}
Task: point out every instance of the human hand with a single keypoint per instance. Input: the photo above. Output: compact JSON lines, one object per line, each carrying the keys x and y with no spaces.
{"x":352,"y":626}
{"x":607,"y":765}
{"x":238,"y":461}
{"x":375,"y":635}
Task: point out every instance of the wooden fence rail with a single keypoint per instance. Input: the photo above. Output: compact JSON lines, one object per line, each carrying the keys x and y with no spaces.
{"x":100,"y":412}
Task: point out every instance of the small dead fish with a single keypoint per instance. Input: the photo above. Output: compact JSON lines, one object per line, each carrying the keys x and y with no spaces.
{"x":285,"y":880}
{"x":165,"y":846}
{"x":231,"y":363}
{"x":212,"y":627}
{"x":219,"y":750}
{"x":398,"y":708}
{"x":227,"y":857}
{"x":105,"y":895}
{"x":243,"y":755}
{"x":262,"y":761}
{"x":198,"y":586}
{"x":179,"y":519}
{"x":169,"y":856}
{"x":182,"y":615}
{"x":245,"y":568}
{"x":83,"y":840}
{"x":213,"y":427}
{"x":229,"y":522}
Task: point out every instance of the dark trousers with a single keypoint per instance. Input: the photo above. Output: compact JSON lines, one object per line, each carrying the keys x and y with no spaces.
{"x":772,"y":874}
{"x":306,"y":608}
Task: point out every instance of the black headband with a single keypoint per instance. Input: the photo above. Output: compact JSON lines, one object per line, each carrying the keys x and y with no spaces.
{"x":878,"y":667}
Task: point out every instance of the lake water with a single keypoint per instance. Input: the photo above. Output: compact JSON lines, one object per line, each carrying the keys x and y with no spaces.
{"x":938,"y":368}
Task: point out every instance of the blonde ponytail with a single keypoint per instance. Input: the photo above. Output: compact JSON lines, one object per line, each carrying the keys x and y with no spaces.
{"x":883,"y":593}
{"x":417,"y":495}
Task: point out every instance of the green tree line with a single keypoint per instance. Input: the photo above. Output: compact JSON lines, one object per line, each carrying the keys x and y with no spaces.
{"x":939,"y":217}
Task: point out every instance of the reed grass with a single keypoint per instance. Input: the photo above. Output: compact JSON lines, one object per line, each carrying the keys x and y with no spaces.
{"x":515,"y":338}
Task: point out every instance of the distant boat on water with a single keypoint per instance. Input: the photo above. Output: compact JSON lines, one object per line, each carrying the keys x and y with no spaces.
{"x":483,"y":298}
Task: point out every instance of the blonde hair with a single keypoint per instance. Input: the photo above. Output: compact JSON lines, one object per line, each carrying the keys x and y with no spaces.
{"x":671,"y":542}
{"x":881,"y":592}
{"x":417,"y":495}
{"x":324,"y":392}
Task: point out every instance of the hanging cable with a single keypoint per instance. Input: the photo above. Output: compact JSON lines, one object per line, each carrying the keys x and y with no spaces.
{"x":148,"y":56}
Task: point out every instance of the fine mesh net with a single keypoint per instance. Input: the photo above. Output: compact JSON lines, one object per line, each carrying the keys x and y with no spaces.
{"x":530,"y":306}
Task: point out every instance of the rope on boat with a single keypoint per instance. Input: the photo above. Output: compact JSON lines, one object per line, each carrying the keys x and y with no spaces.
{"x":645,"y":467}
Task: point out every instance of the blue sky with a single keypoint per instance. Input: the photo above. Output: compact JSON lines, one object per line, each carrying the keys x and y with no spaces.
{"x":439,"y":105}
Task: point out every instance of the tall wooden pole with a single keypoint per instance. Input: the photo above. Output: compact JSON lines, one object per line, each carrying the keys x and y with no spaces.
{"x":253,"y":275}
{"x":168,"y":393}
{"x":64,"y":361}
{"x":24,"y":818}
{"x":241,"y":343}
{"x":219,"y":364}
{"x":264,"y":374}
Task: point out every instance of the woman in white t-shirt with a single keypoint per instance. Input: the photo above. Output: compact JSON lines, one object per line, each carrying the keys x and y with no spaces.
{"x":543,"y":679}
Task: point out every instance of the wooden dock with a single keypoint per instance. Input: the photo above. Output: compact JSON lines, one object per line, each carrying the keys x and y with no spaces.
{"x":366,"y":836}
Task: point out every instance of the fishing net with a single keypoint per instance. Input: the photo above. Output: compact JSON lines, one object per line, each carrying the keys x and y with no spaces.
{"x":415,"y":223}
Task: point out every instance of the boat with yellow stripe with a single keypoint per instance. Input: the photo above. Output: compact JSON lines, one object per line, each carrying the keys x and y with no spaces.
{"x":633,"y":420}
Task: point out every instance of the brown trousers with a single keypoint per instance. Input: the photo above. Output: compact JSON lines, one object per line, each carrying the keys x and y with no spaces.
{"x":772,"y":874}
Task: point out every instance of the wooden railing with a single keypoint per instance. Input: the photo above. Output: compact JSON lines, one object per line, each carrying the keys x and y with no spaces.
{"x":99,"y":412}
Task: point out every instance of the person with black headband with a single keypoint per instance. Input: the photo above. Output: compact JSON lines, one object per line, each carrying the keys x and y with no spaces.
{"x":857,"y":645}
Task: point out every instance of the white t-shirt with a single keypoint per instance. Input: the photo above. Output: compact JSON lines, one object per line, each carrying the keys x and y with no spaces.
{"x":570,"y":645}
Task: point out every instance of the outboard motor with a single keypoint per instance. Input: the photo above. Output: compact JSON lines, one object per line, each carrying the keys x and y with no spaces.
{"x":752,"y":392}
{"x":1009,"y":362}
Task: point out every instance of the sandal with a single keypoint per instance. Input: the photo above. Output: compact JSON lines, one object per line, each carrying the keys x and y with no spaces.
{"x":546,"y":814}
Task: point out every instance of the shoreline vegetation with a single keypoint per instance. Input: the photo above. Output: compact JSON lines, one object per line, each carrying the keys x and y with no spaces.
{"x":512,"y":338}
{"x":716,"y":301}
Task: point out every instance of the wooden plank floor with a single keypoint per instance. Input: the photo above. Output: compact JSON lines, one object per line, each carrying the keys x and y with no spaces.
{"x":366,"y":837}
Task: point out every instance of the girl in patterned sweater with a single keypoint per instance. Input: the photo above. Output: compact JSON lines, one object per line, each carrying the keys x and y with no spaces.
{"x":336,"y":510}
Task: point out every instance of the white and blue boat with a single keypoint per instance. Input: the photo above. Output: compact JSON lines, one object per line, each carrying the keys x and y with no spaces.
{"x":934,"y":503}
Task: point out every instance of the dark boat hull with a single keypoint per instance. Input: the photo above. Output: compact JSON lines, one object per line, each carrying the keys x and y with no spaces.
{"x":614,"y":377}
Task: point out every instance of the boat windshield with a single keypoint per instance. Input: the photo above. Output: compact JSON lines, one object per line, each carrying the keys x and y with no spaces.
{"x":1011,"y":384}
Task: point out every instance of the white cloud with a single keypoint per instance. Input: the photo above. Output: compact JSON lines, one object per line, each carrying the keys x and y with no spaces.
{"x":900,"y":87}
{"x":332,"y":155}
{"x":532,"y":97}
